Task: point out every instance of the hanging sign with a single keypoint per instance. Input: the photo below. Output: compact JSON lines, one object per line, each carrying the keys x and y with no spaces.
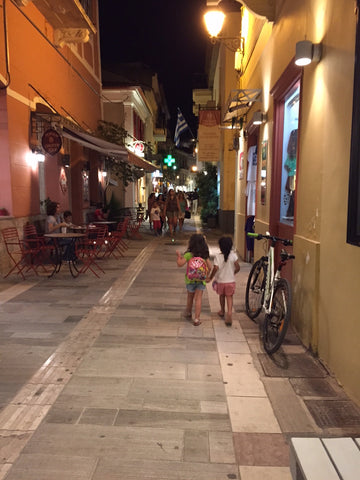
{"x":51,"y":141}
{"x":63,"y":180}
{"x":209,"y":135}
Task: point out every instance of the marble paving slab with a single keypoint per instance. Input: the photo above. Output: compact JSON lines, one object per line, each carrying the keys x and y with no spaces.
{"x":261,"y":449}
{"x":252,"y":415}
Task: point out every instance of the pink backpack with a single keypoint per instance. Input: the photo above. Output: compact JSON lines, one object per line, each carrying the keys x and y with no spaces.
{"x":196,"y":269}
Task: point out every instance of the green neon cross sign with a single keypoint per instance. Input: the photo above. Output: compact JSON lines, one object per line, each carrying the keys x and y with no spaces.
{"x":169,"y":160}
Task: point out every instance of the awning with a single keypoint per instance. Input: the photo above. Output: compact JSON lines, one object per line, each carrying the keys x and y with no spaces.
{"x":141,"y":162}
{"x":107,"y":148}
{"x":239,"y":102}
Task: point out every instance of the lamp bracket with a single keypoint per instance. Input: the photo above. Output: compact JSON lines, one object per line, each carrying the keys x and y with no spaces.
{"x":231,"y":43}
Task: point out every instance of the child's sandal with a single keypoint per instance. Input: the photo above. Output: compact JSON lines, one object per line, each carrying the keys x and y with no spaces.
{"x":196,"y":322}
{"x":221,"y":314}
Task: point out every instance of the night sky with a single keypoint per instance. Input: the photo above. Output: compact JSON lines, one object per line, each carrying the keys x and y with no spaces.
{"x":166,"y":35}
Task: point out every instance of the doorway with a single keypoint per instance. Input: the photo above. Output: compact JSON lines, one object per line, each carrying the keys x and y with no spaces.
{"x":287,"y":95}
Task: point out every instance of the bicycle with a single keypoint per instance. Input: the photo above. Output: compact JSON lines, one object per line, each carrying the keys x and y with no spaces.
{"x":267,"y":291}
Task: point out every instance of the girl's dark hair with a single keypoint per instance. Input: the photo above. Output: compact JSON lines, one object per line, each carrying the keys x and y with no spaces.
{"x":198,"y":246}
{"x":225,"y":244}
{"x":51,"y":208}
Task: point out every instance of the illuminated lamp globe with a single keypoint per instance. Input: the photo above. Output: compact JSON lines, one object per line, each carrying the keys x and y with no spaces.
{"x":214,"y":20}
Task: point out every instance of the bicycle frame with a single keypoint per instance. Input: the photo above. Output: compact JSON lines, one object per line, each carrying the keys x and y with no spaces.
{"x":272,"y":275}
{"x":266,"y":291}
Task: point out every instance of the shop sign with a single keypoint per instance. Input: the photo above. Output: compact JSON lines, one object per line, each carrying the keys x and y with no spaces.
{"x":209,"y":135}
{"x":51,"y":141}
{"x":138,"y":147}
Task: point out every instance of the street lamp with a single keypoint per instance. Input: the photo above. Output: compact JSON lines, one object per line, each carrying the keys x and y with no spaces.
{"x":214,"y":20}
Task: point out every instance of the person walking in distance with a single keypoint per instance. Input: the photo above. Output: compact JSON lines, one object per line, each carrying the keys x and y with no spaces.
{"x":183,"y":205}
{"x":198,"y":267}
{"x":155,"y":218}
{"x":195,"y":201}
{"x":172,"y":209}
{"x":226,"y":265}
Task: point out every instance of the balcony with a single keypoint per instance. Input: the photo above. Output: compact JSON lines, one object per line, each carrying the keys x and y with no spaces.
{"x":71,"y":19}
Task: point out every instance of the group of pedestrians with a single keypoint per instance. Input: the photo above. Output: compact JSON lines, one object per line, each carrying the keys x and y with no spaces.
{"x":169,"y":210}
{"x":200,"y":271}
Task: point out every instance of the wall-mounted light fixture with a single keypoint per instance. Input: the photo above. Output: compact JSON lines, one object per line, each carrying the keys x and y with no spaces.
{"x":259,"y":118}
{"x":307,"y":52}
{"x":37,"y":155}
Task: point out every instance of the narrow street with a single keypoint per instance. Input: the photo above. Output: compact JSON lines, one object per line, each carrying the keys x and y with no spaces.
{"x":103,"y":379}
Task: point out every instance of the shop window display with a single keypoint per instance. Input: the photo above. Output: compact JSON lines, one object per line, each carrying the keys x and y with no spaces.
{"x":288,"y":177}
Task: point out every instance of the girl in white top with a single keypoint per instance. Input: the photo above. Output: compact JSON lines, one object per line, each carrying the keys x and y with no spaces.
{"x":225,"y":267}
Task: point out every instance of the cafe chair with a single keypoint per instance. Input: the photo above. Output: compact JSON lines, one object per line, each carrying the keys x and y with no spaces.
{"x":44,"y":254}
{"x":20,"y":253}
{"x":134,"y":227}
{"x":116,"y":243}
{"x":99,"y":239}
{"x":86,"y":253}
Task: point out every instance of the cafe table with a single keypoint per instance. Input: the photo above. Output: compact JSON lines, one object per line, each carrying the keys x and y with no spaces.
{"x":56,"y":238}
{"x":109,"y":223}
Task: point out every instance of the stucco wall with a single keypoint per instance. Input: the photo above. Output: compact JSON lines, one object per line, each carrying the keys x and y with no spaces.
{"x":326,"y":280}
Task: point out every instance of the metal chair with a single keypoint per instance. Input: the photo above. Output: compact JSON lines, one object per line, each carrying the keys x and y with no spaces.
{"x":86,"y":252}
{"x":116,"y":242}
{"x":20,"y":254}
{"x":44,"y":254}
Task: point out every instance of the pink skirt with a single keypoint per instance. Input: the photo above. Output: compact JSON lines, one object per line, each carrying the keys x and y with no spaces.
{"x":227,"y":289}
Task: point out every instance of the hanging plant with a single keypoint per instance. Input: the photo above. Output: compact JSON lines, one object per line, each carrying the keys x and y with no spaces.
{"x":114,"y":133}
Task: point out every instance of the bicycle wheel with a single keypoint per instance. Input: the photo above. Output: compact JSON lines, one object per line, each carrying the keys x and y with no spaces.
{"x":276,"y":323}
{"x":255,"y":288}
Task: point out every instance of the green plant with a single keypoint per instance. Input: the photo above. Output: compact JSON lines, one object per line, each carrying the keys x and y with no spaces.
{"x":112,"y":132}
{"x":46,"y":203}
{"x":206,"y":183}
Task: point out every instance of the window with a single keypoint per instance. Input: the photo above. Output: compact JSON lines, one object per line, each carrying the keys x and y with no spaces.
{"x":289,"y":154}
{"x":353,"y":227}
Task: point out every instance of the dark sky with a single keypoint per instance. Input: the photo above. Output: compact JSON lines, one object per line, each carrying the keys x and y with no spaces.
{"x":167,"y":35}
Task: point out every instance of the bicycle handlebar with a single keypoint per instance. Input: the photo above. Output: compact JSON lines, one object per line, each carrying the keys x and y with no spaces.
{"x":260,"y":236}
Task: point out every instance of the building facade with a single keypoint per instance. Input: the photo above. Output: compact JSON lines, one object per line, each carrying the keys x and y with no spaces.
{"x":296,"y":168}
{"x":50,"y":107}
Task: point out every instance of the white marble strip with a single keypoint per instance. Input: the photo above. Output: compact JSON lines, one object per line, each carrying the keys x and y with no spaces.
{"x":14,"y":291}
{"x":249,"y":408}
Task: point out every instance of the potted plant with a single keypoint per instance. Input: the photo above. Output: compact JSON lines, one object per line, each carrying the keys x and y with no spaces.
{"x":3,"y":212}
{"x":206,"y":182}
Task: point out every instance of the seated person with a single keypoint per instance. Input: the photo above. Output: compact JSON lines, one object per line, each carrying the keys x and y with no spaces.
{"x":100,"y":213}
{"x":55,"y":225}
{"x":53,"y":220}
{"x":68,"y":220}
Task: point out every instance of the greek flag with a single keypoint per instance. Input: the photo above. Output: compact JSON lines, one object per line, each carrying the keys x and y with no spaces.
{"x":181,"y":127}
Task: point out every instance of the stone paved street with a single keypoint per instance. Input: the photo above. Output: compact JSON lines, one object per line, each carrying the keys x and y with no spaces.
{"x":103,"y":379}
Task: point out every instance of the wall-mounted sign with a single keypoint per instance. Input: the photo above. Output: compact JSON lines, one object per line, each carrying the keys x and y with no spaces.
{"x":209,"y":135}
{"x":51,"y":141}
{"x":138,"y":147}
{"x":63,"y":180}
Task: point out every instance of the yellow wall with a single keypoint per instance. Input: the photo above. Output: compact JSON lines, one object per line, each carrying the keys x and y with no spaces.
{"x":326,"y":280}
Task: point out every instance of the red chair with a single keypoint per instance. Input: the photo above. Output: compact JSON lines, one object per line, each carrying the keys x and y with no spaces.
{"x":116,"y":242}
{"x":86,"y":251}
{"x":44,"y":254}
{"x":134,"y":227}
{"x":99,"y":236}
{"x":20,"y":254}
